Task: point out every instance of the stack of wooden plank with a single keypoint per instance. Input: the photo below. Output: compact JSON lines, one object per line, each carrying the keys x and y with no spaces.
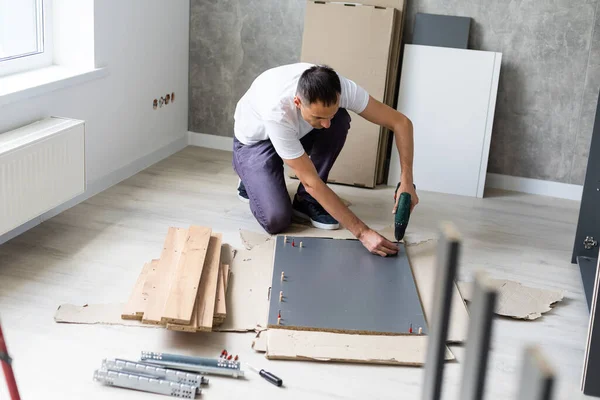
{"x":183,"y":290}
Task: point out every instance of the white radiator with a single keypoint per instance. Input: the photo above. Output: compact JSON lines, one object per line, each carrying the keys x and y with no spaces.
{"x":42,"y":165}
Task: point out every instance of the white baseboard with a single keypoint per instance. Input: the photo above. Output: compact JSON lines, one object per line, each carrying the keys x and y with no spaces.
{"x":210,"y":141}
{"x":101,"y":184}
{"x":496,"y":181}
{"x":534,"y":186}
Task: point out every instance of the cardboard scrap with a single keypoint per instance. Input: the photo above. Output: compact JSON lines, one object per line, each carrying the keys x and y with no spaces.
{"x":248,"y":288}
{"x":283,"y":344}
{"x":422,"y":259}
{"x":518,"y":301}
{"x":259,"y":344}
{"x":105,"y":314}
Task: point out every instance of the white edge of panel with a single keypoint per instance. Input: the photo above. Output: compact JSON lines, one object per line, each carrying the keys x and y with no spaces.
{"x":487,"y":139}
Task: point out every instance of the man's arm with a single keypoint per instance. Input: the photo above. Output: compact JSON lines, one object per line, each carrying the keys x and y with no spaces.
{"x":384,"y":115}
{"x":314,"y":185}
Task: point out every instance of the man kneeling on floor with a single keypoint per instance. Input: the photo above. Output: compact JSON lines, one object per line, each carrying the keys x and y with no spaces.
{"x":297,"y":114}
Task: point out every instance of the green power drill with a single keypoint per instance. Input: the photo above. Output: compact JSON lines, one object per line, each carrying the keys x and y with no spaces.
{"x":402,"y":213}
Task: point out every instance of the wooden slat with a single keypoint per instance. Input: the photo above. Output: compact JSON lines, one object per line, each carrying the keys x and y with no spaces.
{"x":165,"y":271}
{"x":134,"y":309}
{"x":220,"y":308}
{"x":213,"y":255}
{"x":208,"y":285}
{"x":182,"y":296}
{"x":226,"y":275}
{"x":149,"y":285}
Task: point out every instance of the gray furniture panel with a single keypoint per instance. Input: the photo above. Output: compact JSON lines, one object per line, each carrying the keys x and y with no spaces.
{"x":448,"y":252}
{"x":590,"y":384}
{"x":338,"y":286}
{"x":587,"y":236}
{"x":441,"y":30}
{"x":587,"y":268}
{"x":479,"y":338}
{"x":537,"y":376}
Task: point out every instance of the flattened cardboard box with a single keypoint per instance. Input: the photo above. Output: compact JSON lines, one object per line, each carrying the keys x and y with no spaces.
{"x":355,"y":40}
{"x":391,"y":91}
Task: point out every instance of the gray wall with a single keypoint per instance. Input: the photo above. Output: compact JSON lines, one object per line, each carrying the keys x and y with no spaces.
{"x":549,"y":81}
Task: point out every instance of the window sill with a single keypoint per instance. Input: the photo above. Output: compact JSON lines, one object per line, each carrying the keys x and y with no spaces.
{"x":29,"y":84}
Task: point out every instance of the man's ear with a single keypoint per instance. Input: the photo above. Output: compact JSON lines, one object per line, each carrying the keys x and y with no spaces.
{"x":297,"y":101}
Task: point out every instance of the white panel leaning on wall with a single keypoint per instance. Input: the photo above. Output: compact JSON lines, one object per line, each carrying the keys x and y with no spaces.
{"x":450,"y":96}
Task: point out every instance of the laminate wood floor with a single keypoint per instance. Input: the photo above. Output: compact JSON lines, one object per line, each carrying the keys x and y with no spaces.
{"x":93,"y":252}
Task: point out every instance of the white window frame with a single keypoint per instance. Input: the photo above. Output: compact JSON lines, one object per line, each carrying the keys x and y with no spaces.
{"x":35,"y":60}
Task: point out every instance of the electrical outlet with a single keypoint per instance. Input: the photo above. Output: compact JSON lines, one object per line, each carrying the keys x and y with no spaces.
{"x":163,"y":100}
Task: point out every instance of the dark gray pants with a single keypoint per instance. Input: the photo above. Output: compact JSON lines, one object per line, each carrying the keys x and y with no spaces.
{"x":261,"y":170}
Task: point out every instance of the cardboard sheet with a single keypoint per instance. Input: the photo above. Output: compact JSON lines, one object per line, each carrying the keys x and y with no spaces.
{"x":422,"y":258}
{"x":248,"y":288}
{"x":104,"y":314}
{"x":356,"y":40}
{"x":325,"y":346}
{"x":392,"y":77}
{"x":259,"y":344}
{"x":518,"y":301}
{"x":251,"y":271}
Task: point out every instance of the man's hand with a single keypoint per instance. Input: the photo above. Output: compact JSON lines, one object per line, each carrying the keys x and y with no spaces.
{"x":377,"y":244}
{"x":410,"y":189}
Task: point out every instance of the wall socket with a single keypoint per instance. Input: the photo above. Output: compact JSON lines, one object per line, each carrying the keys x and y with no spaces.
{"x":163,"y":100}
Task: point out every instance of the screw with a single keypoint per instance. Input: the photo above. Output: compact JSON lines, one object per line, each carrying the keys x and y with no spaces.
{"x":280,"y":296}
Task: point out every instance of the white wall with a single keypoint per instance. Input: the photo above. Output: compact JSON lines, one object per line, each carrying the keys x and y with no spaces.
{"x":145,"y":45}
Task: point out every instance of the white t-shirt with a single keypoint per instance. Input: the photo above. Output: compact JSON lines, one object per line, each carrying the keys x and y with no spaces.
{"x":267,"y":109}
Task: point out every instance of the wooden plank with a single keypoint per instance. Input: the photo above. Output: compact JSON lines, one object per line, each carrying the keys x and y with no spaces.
{"x":134,"y":309}
{"x":149,"y":286}
{"x":207,"y":293}
{"x":220,"y":307}
{"x":226,"y":275}
{"x":157,"y":296}
{"x":184,"y":288}
{"x":206,"y":282}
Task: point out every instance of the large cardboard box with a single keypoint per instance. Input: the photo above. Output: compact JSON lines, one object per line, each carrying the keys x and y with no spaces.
{"x":357,"y":41}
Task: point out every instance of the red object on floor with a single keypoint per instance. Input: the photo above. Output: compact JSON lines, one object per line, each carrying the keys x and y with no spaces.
{"x":8,"y":371}
{"x":292,"y":243}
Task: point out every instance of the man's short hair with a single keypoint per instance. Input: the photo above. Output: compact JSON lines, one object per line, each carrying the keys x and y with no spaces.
{"x":319,"y":83}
